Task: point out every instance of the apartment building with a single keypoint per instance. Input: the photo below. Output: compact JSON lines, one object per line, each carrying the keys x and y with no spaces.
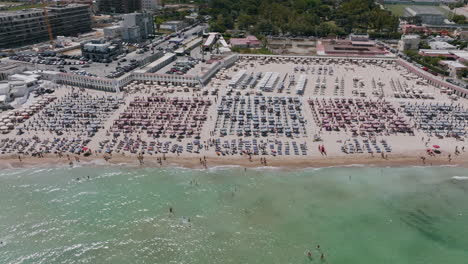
{"x":29,"y":26}
{"x":119,"y":6}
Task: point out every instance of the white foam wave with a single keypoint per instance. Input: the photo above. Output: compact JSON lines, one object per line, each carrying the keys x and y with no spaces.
{"x":460,"y":178}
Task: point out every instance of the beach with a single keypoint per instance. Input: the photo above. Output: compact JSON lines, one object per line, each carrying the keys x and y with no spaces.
{"x":50,"y":161}
{"x":286,"y":112}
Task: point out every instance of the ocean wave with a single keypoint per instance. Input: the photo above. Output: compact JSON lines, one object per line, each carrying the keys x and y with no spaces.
{"x":460,"y":178}
{"x":275,"y":168}
{"x":449,"y":165}
{"x":223,"y":167}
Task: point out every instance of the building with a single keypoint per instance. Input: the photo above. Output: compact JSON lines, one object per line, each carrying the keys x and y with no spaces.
{"x":113,"y":31}
{"x":10,"y":68}
{"x":173,"y":25}
{"x":411,"y":29}
{"x":346,"y":47}
{"x":136,"y":27}
{"x":409,"y":42}
{"x":459,"y":55}
{"x":452,"y":66}
{"x":28,"y":26}
{"x":119,"y":6}
{"x":359,"y":37}
{"x":441,"y":45}
{"x":462,"y":34}
{"x":248,"y":42}
{"x":436,"y":53}
{"x":99,"y":49}
{"x":426,"y":14}
{"x":158,"y":64}
{"x":150,"y":4}
{"x":16,"y":89}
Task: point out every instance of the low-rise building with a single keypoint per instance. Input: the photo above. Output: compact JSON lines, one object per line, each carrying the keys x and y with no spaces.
{"x":346,"y":47}
{"x":441,"y":45}
{"x":411,"y":29}
{"x":462,"y":34}
{"x":247,"y":42}
{"x":173,"y":25}
{"x":452,"y":66}
{"x":113,"y":31}
{"x":15,"y":90}
{"x":359,"y":37}
{"x":409,"y":42}
{"x":10,"y":68}
{"x":426,"y":14}
{"x":99,"y":49}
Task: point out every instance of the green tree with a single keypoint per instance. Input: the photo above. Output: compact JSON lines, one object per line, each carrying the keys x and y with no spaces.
{"x":459,"y":19}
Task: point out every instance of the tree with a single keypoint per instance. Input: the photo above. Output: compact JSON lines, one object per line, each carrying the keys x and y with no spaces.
{"x":459,"y":19}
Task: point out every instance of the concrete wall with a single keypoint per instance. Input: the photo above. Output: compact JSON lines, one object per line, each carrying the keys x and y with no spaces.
{"x":433,"y":80}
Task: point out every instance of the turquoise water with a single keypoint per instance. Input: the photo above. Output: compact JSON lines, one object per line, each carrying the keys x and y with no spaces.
{"x":121,"y":215}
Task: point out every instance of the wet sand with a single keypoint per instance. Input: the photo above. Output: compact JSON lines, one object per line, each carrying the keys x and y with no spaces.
{"x":393,"y":160}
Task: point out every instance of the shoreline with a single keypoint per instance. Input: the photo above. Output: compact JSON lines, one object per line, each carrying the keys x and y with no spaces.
{"x":193,"y":162}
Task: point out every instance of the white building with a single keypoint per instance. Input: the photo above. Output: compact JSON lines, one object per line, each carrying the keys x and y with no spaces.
{"x":452,"y":66}
{"x":137,"y":26}
{"x":409,"y":42}
{"x":173,"y":25}
{"x":440,"y":45}
{"x":16,"y":89}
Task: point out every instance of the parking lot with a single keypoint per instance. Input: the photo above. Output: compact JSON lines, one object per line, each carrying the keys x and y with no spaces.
{"x":122,"y":64}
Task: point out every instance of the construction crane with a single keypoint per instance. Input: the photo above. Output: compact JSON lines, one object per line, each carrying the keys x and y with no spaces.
{"x":46,"y":20}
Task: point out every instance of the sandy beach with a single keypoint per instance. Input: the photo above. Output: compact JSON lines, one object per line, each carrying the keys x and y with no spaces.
{"x":348,"y":112}
{"x":51,"y":160}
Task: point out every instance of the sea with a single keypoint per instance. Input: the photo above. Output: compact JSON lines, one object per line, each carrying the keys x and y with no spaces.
{"x":118,"y":214}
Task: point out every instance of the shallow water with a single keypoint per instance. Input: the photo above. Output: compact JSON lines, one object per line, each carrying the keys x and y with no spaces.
{"x":121,"y":215}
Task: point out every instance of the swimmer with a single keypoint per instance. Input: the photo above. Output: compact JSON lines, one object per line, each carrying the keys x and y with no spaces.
{"x":322,"y":256}
{"x":170,"y":209}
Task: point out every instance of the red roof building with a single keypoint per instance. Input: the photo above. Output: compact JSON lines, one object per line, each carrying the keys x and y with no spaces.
{"x":248,"y":42}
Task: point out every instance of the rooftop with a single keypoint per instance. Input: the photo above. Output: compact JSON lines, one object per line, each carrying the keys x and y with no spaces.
{"x":249,"y":40}
{"x":38,"y":10}
{"x":424,"y":10}
{"x":454,"y":64}
{"x":441,"y":45}
{"x":410,"y":37}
